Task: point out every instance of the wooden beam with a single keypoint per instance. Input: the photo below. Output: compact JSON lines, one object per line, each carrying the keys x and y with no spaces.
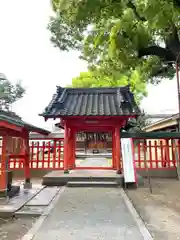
{"x":66,"y":154}
{"x":10,"y":132}
{"x":6,"y":125}
{"x":3,"y":167}
{"x":118,"y":149}
{"x":151,"y":135}
{"x":26,"y":159}
{"x":113,"y":150}
{"x":102,"y":118}
{"x":98,"y":123}
{"x":93,"y":129}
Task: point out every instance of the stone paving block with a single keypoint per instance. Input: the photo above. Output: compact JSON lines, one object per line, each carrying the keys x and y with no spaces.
{"x":44,"y":197}
{"x":17,"y":202}
{"x":89,"y":214}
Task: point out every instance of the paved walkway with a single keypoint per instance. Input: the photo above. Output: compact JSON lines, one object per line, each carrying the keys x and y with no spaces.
{"x":89,"y":214}
{"x":95,"y":162}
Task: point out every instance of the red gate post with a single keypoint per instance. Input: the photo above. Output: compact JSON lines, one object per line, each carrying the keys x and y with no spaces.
{"x":113,"y":150}
{"x":70,"y":149}
{"x":118,"y":149}
{"x":73,"y":149}
{"x":3,"y":168}
{"x":66,"y":155}
{"x":27,"y":183}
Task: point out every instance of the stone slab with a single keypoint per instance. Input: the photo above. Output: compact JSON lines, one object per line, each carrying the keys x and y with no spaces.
{"x":33,"y":211}
{"x":17,"y":202}
{"x":36,"y":226}
{"x":86,"y":214}
{"x":92,"y":184}
{"x":58,"y":178}
{"x":95,"y":162}
{"x":44,"y":197}
{"x":84,"y":173}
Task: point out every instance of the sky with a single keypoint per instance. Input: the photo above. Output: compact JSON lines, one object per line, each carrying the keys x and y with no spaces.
{"x":27,"y":54}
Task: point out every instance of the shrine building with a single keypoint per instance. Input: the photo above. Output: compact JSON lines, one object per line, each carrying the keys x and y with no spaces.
{"x":95,"y":114}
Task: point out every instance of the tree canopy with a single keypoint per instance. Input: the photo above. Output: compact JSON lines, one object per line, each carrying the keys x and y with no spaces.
{"x":120,"y":36}
{"x":94,"y":79}
{"x":9,"y":93}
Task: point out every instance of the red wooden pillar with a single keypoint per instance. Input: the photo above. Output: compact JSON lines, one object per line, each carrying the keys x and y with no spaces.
{"x":113,"y":150}
{"x":27,"y":183}
{"x":73,"y":149}
{"x":3,"y":168}
{"x":70,"y":149}
{"x":118,"y":149}
{"x":66,"y":154}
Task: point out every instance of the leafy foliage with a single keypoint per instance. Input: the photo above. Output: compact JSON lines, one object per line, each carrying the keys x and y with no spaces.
{"x":95,"y":79}
{"x":120,"y":36}
{"x":9,"y":93}
{"x":137,"y":125}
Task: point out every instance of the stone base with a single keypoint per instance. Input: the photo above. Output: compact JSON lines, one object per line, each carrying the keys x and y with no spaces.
{"x":59,"y":178}
{"x":3,"y":193}
{"x":130,"y":185}
{"x":27,"y":185}
{"x":118,"y":171}
{"x":4,"y":200}
{"x":3,"y":197}
{"x":14,"y":191}
{"x":71,"y":167}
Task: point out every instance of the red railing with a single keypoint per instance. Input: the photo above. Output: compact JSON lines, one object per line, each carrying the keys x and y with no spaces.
{"x":156,"y":154}
{"x":44,"y":154}
{"x":48,"y":154}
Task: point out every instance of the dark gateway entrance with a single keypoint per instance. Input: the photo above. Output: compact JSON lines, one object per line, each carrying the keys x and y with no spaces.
{"x":92,"y":110}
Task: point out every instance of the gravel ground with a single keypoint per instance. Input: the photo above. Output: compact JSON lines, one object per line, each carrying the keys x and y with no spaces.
{"x":160,"y":210}
{"x":16,"y":228}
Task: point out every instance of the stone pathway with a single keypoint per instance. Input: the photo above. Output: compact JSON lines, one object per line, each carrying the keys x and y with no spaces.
{"x":89,"y":214}
{"x":95,"y":162}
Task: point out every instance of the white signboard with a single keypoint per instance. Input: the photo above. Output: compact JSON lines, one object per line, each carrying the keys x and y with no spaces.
{"x":128,"y":160}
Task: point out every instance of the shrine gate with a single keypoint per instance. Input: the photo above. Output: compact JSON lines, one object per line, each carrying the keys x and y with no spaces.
{"x":91,"y":110}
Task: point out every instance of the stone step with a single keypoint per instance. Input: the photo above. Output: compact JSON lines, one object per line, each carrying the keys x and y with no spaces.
{"x":92,"y":184}
{"x":60,"y":181}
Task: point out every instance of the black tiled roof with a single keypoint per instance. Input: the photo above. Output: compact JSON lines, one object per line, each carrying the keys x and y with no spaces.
{"x":16,"y":120}
{"x":117,"y":101}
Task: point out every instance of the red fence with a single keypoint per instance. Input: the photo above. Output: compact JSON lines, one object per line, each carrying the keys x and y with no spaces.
{"x":48,"y":154}
{"x":156,"y":154}
{"x":44,"y":154}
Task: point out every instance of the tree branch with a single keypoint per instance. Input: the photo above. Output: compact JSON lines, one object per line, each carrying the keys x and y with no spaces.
{"x":176,"y":3}
{"x":172,"y":41}
{"x":163,"y":53}
{"x":131,"y":5}
{"x":161,"y":71}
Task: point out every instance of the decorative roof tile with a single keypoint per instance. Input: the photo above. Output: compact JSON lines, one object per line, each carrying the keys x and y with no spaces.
{"x":116,"y":101}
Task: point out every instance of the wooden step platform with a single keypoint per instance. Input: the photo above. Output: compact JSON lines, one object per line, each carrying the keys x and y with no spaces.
{"x":58,"y":178}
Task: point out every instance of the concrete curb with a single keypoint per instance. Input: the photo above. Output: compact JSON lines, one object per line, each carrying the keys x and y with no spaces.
{"x":31,"y":233}
{"x":141,"y":225}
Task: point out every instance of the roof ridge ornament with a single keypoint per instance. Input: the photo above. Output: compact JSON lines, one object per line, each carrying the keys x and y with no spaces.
{"x":59,"y":89}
